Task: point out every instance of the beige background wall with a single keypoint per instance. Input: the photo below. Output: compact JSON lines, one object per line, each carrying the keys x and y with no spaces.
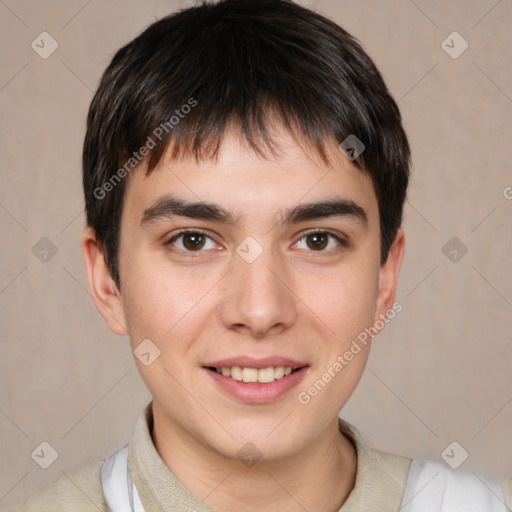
{"x":440,"y":372}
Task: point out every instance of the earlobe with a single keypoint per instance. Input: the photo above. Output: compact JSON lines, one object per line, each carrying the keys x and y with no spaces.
{"x":105,"y":294}
{"x":388,"y":278}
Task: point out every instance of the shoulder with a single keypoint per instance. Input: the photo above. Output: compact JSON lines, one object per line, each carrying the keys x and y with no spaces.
{"x":77,"y":490}
{"x":433,"y":486}
{"x":507,"y":493}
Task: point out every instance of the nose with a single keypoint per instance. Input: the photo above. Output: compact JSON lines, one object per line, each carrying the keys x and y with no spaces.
{"x":259,"y":299}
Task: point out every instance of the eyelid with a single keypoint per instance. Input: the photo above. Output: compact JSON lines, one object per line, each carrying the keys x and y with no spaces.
{"x":184,"y":231}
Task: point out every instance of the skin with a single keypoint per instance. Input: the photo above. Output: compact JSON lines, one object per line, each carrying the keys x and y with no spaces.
{"x":295,"y":300}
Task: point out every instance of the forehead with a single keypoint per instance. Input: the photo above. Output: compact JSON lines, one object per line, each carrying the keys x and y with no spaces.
{"x":251,"y":184}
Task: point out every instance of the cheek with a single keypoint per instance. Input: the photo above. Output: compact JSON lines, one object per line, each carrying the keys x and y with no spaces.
{"x":164,"y":307}
{"x":147,"y":299}
{"x":157,"y":311}
{"x":345,"y":299}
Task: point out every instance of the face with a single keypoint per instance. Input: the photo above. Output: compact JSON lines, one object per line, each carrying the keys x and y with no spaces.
{"x":240,"y":271}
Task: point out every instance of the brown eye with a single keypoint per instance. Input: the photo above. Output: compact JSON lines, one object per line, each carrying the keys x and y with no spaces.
{"x":317,"y":241}
{"x":193,"y":241}
{"x":320,"y":241}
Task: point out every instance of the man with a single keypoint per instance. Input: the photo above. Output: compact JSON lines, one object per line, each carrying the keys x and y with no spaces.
{"x":245,"y":171}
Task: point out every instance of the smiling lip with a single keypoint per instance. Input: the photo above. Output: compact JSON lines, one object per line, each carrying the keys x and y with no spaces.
{"x":257,"y":392}
{"x":258,"y":363}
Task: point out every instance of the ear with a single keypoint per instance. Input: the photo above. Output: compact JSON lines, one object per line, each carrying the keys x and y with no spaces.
{"x":388,"y":278}
{"x":105,"y":294}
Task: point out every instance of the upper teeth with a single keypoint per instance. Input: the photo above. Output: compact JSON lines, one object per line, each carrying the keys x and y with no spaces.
{"x":264,"y":375}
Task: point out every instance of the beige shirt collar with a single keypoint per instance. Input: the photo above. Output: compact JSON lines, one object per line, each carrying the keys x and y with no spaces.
{"x":380,"y":477}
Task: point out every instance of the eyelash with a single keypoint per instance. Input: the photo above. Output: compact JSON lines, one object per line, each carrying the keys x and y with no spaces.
{"x":342,"y":242}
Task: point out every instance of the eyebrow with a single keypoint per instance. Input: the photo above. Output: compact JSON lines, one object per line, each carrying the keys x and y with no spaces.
{"x":170,"y":206}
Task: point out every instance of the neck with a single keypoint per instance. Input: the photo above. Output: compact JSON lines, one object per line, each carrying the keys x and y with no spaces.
{"x":320,"y":477}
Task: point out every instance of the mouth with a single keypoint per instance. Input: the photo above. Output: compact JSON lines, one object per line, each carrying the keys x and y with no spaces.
{"x":248,"y":374}
{"x":256,"y":380}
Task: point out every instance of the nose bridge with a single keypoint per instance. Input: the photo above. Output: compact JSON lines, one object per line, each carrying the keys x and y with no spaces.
{"x":258,"y":298}
{"x":260,"y":279}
